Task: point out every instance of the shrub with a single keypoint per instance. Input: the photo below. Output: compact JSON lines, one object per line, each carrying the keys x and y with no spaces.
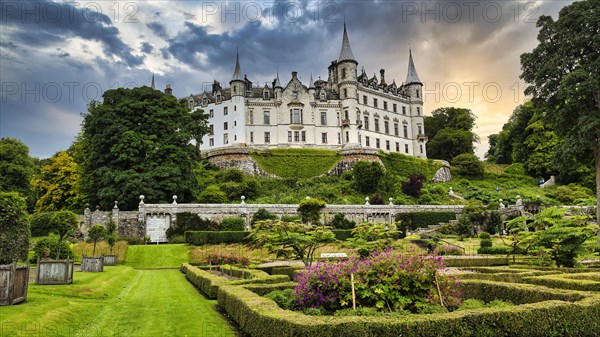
{"x":199,"y":238}
{"x":340,"y":222}
{"x":376,"y":199}
{"x":496,"y":250}
{"x":262,"y":214}
{"x":284,"y":298}
{"x":46,"y":247}
{"x":39,"y":224}
{"x":416,"y":220}
{"x":571,"y":193}
{"x":226,"y":259}
{"x":187,"y":221}
{"x":386,"y":280}
{"x":414,"y":185}
{"x":310,"y":210}
{"x":448,"y":250}
{"x":212,"y":194}
{"x":484,"y":243}
{"x":367,"y":175}
{"x":230,"y":175}
{"x":291,"y":218}
{"x":485,"y":236}
{"x":95,"y":234}
{"x":14,"y":229}
{"x":64,"y":223}
{"x":373,"y":312}
{"x":232,"y":224}
{"x":467,"y":164}
{"x":342,"y":234}
{"x":403,"y":165}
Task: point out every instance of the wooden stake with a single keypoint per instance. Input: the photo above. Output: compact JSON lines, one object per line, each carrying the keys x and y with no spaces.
{"x":438,"y":289}
{"x":353,"y":293}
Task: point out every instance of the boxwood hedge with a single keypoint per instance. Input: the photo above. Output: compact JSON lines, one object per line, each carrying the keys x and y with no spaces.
{"x":199,"y":238}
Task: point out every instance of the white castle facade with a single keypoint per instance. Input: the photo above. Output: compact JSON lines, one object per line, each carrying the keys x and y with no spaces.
{"x":345,"y":112}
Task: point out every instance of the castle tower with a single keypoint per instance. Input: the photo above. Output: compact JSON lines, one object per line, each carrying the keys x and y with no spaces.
{"x":347,"y":85}
{"x":237,"y":83}
{"x":277,"y":88}
{"x":311,"y":89}
{"x":414,"y":89}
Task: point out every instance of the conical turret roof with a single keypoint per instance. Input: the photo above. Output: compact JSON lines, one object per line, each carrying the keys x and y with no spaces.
{"x":237,"y":73}
{"x":411,"y":76}
{"x":346,"y":52}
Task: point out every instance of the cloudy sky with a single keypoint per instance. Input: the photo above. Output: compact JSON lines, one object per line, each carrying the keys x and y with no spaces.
{"x":55,"y":57}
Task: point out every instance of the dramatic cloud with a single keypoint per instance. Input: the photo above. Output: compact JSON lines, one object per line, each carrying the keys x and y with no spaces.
{"x":55,"y":57}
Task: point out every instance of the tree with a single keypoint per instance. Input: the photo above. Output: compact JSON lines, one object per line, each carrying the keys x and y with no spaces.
{"x":506,"y":146}
{"x":450,"y":133}
{"x":16,"y":167}
{"x":262,"y":214}
{"x":58,"y":184}
{"x":467,"y":164}
{"x":367,"y":175}
{"x":63,"y":223}
{"x":96,"y":233}
{"x":14,"y":230}
{"x":290,"y":239}
{"x":563,"y":73}
{"x":310,"y":210}
{"x":140,"y":141}
{"x":414,"y":185}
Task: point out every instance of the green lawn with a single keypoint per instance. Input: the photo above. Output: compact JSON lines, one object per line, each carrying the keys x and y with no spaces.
{"x":157,"y":256}
{"x":120,"y":301}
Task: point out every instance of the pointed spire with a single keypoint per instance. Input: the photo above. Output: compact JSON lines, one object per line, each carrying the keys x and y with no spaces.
{"x":277,"y":83}
{"x":311,"y":84}
{"x":346,"y":52}
{"x":152,"y":84}
{"x":237,"y":73}
{"x":411,"y":76}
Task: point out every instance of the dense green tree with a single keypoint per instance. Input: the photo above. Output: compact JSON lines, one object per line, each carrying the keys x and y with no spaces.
{"x":64,"y":223}
{"x":506,"y":146}
{"x":16,"y":167}
{"x":310,"y":210}
{"x":450,"y":133}
{"x":140,"y":141}
{"x":14,"y":230}
{"x":367,"y":175}
{"x":563,"y":73}
{"x":57,"y":186}
{"x":540,"y":146}
{"x":467,"y":164}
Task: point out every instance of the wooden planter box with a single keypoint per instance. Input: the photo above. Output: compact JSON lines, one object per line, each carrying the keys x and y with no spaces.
{"x":13,"y":283}
{"x":92,"y":264}
{"x":110,"y":260}
{"x":54,"y":272}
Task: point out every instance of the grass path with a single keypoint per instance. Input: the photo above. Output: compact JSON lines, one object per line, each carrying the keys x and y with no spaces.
{"x":157,"y":256}
{"x":121,"y":301}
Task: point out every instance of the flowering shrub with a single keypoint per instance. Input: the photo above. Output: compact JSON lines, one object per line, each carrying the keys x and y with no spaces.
{"x":386,"y":280}
{"x":448,"y":250}
{"x":224,"y":259}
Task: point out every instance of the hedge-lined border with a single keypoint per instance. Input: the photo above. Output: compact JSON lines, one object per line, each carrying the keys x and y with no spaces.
{"x":199,"y":238}
{"x":475,"y":261}
{"x":503,"y":277}
{"x":558,"y":281}
{"x":556,"y":313}
{"x":263,"y":289}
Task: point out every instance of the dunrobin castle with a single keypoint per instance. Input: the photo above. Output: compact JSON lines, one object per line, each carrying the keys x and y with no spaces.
{"x":348,"y":112}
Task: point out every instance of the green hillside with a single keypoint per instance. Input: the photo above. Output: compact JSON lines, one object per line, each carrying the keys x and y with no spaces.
{"x":296,"y":163}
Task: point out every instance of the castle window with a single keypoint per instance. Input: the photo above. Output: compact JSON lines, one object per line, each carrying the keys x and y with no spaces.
{"x":377,"y":145}
{"x":417,"y":93}
{"x":267,"y":137}
{"x":218,"y":98}
{"x":295,"y":116}
{"x":324,"y":138}
{"x":404,"y":110}
{"x":267,"y":118}
{"x":225,"y":138}
{"x":323,"y":118}
{"x":386,"y":126}
{"x":225,"y":125}
{"x":397,"y":147}
{"x":235,"y":108}
{"x":290,"y":136}
{"x":346,"y":116}
{"x":406,"y":148}
{"x":421,"y":147}
{"x":395,"y":129}
{"x":266,"y":94}
{"x":296,"y":136}
{"x":367,"y":142}
{"x":395,"y":107}
{"x":225,"y":111}
{"x":303,"y":136}
{"x":420,"y":129}
{"x":405,"y":129}
{"x":418,"y":111}
{"x":366,"y":123}
{"x":338,"y":118}
{"x":234,"y":123}
{"x":387,"y":145}
{"x":251,"y":119}
{"x":376,"y":122}
{"x":251,"y":137}
{"x":365,"y":99}
{"x":359,"y":139}
{"x":339,"y":138}
{"x":211,"y":129}
{"x":375,"y":102}
{"x":384,"y":105}
{"x":347,"y":137}
{"x":345,"y":93}
{"x":211,"y":142}
{"x":343,"y":73}
{"x":211,"y":113}
{"x":322,"y":95}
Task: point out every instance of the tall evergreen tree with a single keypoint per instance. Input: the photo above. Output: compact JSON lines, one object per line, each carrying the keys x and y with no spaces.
{"x":450,"y":133}
{"x":140,"y":141}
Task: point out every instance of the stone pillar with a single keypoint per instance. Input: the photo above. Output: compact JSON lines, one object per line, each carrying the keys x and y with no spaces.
{"x":115,"y":216}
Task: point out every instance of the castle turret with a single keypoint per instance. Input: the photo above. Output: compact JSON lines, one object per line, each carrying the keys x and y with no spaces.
{"x":413,"y":84}
{"x":237,"y":83}
{"x":347,"y":85}
{"x":414,"y":89}
{"x":277,"y":88}
{"x":311,"y":89}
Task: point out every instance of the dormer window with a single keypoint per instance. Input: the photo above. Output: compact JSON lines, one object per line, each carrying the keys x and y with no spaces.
{"x":219,"y":98}
{"x":322,"y":95}
{"x":266,"y":94}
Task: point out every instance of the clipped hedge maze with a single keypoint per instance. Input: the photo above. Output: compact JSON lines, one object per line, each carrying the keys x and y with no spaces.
{"x":552,"y":309}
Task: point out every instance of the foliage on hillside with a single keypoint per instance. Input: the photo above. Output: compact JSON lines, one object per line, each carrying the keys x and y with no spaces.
{"x":403,"y":165}
{"x":296,"y":163}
